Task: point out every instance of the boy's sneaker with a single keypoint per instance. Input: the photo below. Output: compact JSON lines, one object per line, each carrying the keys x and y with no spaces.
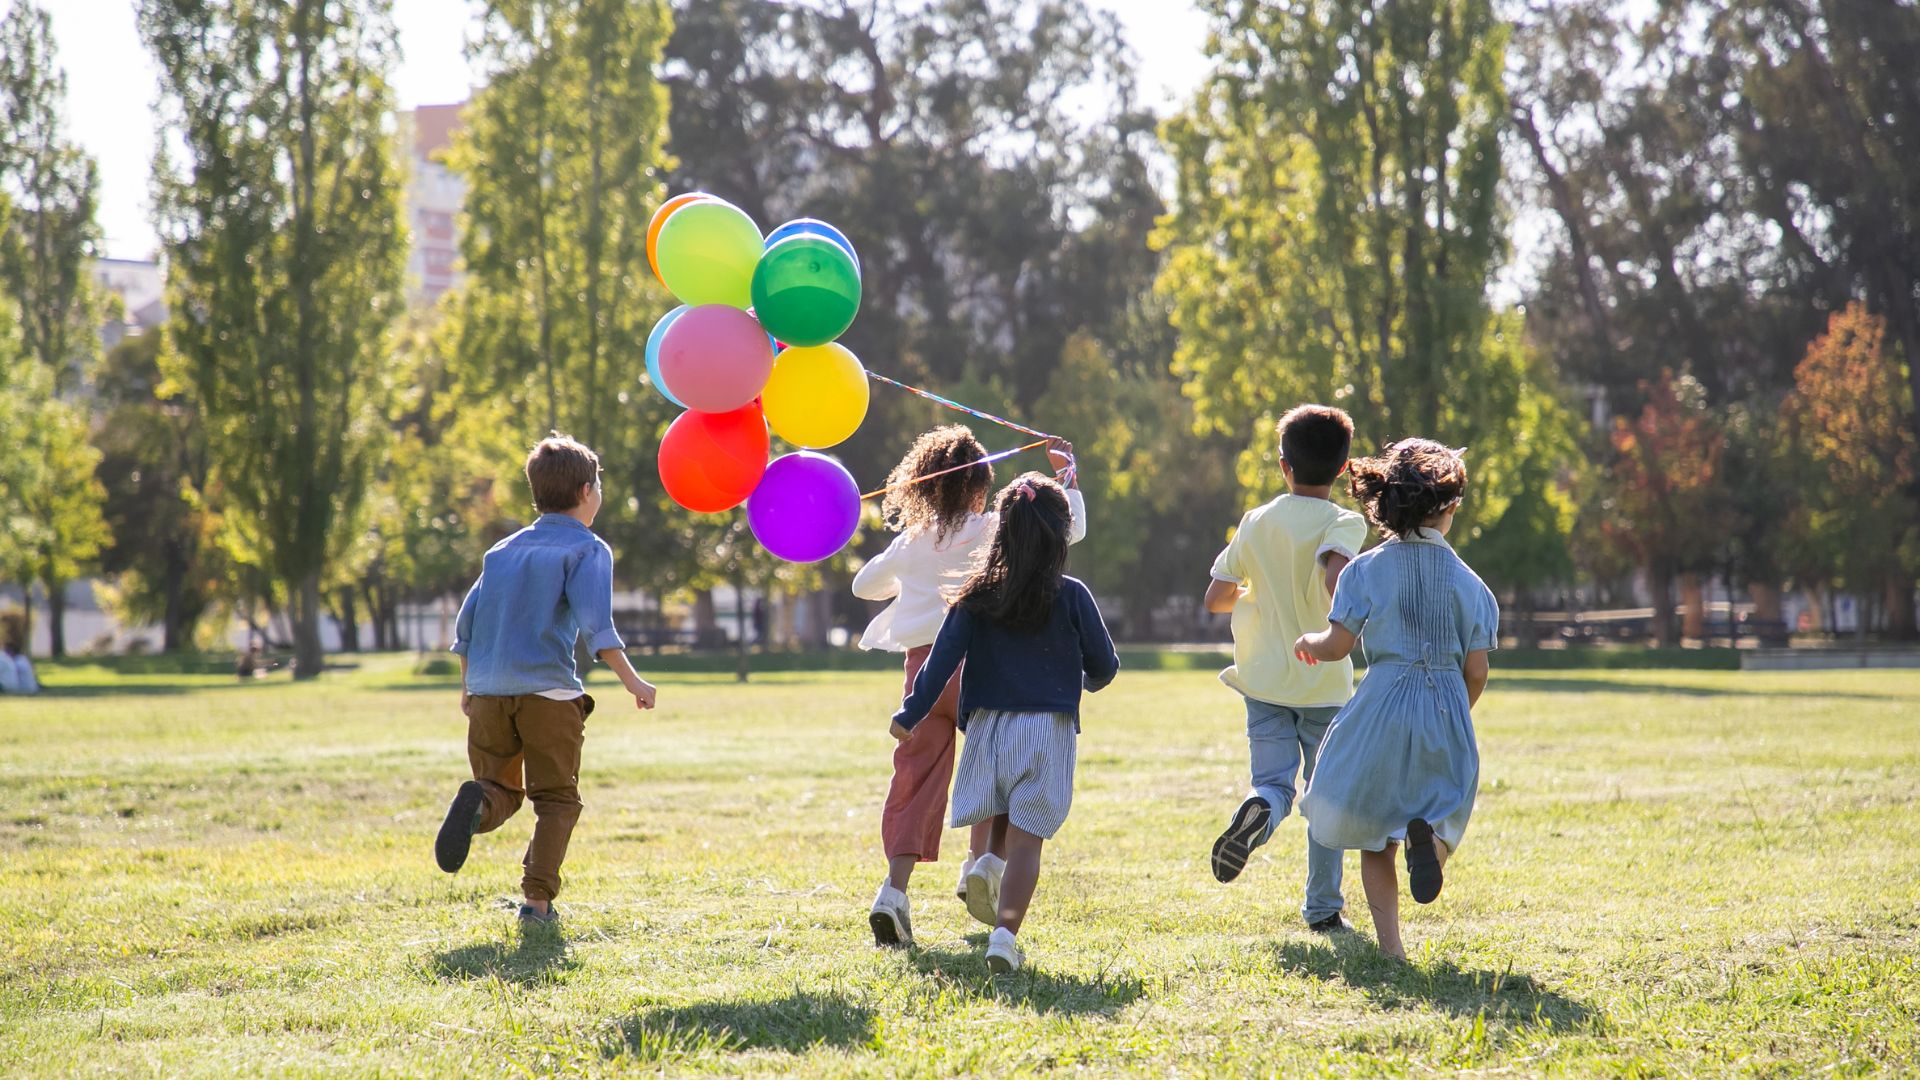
{"x":1230,"y":852}
{"x":1332,"y":924}
{"x":456,"y":833}
{"x":983,"y":888}
{"x":960,"y":887}
{"x":891,"y":918}
{"x":532,"y":916}
{"x":1003,"y":952}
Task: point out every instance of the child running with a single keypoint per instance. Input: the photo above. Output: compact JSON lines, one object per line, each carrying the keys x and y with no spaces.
{"x":1031,"y":639}
{"x":943,"y":531}
{"x":538,"y":592}
{"x":1277,"y":578}
{"x":1400,"y":763}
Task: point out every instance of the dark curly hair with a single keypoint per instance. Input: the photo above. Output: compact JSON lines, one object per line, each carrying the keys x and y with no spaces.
{"x":1409,"y":484}
{"x":1020,"y":577}
{"x":942,"y":504}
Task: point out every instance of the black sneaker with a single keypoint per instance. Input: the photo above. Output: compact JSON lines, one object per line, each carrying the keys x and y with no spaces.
{"x":531,"y":916}
{"x":456,"y":833}
{"x":1423,"y":863}
{"x":1231,"y":850}
{"x":1332,"y":924}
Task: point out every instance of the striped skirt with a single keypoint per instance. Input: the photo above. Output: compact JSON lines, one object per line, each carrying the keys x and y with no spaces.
{"x":1019,"y":764}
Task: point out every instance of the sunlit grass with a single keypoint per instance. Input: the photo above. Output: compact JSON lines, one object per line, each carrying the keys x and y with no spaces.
{"x":1688,"y":873}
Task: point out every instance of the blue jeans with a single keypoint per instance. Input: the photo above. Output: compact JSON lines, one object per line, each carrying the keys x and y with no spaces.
{"x":1283,"y":741}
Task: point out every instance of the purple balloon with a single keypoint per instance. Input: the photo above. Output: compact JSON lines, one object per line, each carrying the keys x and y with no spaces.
{"x":805,"y":508}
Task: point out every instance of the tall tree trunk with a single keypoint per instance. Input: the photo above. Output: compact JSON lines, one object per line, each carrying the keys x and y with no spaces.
{"x":740,"y":627}
{"x":1660,"y":584}
{"x":57,"y":618}
{"x":349,"y":619}
{"x":1693,"y":606}
{"x":706,"y":621}
{"x":175,"y":635}
{"x":1900,"y":620}
{"x":308,"y":654}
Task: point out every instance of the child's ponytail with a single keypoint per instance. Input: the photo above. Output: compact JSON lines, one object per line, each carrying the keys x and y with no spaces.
{"x":1410,"y":483}
{"x":1020,"y":577}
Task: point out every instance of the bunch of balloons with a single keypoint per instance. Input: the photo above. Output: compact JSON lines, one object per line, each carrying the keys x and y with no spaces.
{"x":751,"y":348}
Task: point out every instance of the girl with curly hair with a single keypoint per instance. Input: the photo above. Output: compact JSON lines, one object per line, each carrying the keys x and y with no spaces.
{"x":944,"y":528}
{"x":1400,"y":764}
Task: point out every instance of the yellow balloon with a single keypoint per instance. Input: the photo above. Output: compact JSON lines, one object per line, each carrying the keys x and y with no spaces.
{"x":817,"y":395}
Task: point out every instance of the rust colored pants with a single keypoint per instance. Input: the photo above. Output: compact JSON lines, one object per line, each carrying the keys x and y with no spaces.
{"x":529,"y":746}
{"x":916,"y":811}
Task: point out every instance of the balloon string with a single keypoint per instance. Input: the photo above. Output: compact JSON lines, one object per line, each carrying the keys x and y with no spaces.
{"x":988,"y":460}
{"x":1065,"y":473}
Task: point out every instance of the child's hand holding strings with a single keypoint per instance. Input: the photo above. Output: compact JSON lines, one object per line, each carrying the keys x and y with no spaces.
{"x":1303,"y":650}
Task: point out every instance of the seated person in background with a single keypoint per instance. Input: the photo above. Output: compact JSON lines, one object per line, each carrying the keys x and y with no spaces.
{"x":249,"y":664}
{"x":16,"y":672}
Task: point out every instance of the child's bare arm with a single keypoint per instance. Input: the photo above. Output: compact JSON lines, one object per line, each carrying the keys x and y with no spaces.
{"x":1475,"y":670}
{"x":643,"y":691}
{"x":1329,"y":645}
{"x":1222,"y":596}
{"x":1334,"y":563}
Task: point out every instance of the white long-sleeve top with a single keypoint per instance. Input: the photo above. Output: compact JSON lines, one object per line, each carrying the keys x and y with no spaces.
{"x":917,"y":566}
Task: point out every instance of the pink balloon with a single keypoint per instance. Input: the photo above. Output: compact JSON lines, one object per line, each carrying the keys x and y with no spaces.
{"x":715,"y":358}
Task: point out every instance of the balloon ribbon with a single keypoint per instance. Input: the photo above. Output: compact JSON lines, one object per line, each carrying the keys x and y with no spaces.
{"x":1065,"y":473}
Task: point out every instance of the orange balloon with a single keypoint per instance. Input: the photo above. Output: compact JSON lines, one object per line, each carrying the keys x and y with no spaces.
{"x":659,"y":220}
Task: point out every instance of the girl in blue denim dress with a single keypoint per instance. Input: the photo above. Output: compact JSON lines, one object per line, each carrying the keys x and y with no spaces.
{"x":1400,"y":765}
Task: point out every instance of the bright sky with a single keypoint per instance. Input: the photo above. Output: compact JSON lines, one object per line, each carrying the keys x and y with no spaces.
{"x":111,"y":84}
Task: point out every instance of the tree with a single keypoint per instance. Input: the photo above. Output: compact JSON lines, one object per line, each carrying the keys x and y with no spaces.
{"x":50,"y":184}
{"x":1337,"y":224}
{"x":278,"y":210}
{"x":563,"y":154}
{"x":1664,"y":503}
{"x":1851,"y":419}
{"x":154,"y":468}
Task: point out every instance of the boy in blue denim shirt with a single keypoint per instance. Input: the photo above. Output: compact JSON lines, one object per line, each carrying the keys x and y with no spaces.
{"x":538,"y":591}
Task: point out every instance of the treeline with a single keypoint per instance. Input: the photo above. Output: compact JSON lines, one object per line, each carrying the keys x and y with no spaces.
{"x":1705,"y":373}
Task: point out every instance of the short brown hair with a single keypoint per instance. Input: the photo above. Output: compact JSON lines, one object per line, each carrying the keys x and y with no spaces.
{"x":1314,"y":441}
{"x":557,"y":468}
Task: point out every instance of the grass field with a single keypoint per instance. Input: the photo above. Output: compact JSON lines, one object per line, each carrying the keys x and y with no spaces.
{"x":1668,"y":873}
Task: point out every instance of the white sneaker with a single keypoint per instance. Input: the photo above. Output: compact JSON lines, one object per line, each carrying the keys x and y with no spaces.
{"x":983,"y":888}
{"x":892,"y":919}
{"x":1003,"y":952}
{"x":960,"y":887}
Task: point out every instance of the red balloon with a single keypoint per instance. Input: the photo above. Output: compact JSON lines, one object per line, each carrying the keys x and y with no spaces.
{"x":711,"y":462}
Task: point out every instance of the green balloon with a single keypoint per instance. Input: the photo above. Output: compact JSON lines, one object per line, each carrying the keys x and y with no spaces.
{"x":806,"y":290}
{"x":707,"y":251}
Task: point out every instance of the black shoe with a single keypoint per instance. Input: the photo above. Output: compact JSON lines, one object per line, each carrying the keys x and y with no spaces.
{"x":530,"y":916}
{"x":1423,"y":862}
{"x":1231,"y":850}
{"x":1332,"y":924}
{"x":456,"y":833}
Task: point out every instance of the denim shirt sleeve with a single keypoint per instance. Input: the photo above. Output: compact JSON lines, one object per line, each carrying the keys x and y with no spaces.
{"x":463,"y":624}
{"x":590,"y":596}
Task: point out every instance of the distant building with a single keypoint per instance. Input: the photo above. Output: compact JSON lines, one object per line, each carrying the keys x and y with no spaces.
{"x":434,"y":196}
{"x":141,"y":289}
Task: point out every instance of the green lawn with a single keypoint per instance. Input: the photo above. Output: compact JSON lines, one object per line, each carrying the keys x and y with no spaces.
{"x":1674,"y":873}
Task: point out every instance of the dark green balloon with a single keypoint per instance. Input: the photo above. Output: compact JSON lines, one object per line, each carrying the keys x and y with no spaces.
{"x":806,"y":290}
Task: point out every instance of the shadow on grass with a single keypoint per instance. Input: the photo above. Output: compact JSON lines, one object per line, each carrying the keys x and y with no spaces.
{"x":535,"y":958}
{"x":1032,"y":987}
{"x":1501,"y":996}
{"x":795,"y":1024}
{"x":1524,"y":681}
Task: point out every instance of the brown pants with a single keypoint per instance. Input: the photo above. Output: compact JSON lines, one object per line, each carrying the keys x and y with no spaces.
{"x":915,"y":813}
{"x":537,"y":738}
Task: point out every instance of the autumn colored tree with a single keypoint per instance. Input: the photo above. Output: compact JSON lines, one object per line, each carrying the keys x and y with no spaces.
{"x":1665,"y":505}
{"x":1852,"y":423}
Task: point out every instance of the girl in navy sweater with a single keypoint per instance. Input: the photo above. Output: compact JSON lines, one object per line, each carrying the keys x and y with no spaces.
{"x":1031,"y":639}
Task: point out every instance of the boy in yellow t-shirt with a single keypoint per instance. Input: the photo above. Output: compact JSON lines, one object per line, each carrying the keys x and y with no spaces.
{"x":1276,"y":576}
